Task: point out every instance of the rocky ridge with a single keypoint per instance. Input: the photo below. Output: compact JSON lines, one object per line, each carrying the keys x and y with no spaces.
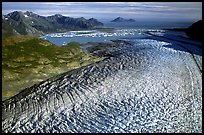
{"x":29,"y":23}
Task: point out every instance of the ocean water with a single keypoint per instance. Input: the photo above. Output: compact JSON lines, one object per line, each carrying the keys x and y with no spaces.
{"x":148,"y":24}
{"x":121,"y":31}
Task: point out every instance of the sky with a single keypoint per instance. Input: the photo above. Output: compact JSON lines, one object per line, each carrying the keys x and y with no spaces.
{"x":173,"y":11}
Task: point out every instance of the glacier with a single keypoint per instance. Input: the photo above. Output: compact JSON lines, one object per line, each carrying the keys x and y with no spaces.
{"x":153,"y":85}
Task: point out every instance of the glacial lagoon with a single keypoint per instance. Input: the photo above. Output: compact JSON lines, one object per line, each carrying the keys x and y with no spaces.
{"x":95,"y":36}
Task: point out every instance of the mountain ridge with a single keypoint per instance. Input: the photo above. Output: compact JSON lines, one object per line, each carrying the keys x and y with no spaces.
{"x":29,"y":23}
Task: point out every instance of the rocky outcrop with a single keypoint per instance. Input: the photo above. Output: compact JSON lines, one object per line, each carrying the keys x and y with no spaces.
{"x":195,"y":31}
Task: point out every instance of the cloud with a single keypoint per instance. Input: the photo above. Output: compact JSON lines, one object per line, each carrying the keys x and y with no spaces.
{"x":157,"y":10}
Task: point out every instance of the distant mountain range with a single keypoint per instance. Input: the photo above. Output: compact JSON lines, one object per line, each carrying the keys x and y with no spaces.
{"x":120,"y":19}
{"x":29,"y":23}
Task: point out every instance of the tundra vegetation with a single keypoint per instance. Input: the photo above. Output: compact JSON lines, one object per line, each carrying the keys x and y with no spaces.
{"x":27,"y":60}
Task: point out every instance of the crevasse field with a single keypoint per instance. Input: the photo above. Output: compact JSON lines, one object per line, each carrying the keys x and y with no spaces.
{"x":152,"y":85}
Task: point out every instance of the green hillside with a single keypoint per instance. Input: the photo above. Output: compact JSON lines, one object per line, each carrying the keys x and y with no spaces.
{"x":27,"y":60}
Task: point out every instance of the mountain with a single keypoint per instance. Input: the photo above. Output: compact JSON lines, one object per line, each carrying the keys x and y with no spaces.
{"x":19,"y":23}
{"x":120,"y":19}
{"x":195,"y":31}
{"x":29,"y":23}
